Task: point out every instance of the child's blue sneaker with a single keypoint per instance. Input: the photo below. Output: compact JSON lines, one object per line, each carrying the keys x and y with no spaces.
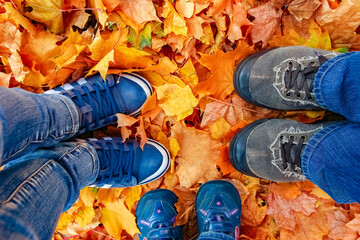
{"x":126,"y":164}
{"x":99,"y":101}
{"x":156,"y":214}
{"x":218,"y":209}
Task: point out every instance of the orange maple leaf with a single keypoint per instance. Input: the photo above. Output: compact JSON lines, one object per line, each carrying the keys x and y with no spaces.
{"x":222,"y":66}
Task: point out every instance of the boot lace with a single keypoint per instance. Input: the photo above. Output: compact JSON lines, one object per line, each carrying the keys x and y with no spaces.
{"x":116,"y":161}
{"x":291,"y":152}
{"x":96,"y":103}
{"x":306,"y":78}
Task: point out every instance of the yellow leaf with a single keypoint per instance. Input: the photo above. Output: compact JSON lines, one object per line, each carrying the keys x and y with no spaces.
{"x":116,"y":218}
{"x":188,"y":73}
{"x":176,"y":101}
{"x":197,"y":156}
{"x":99,"y":12}
{"x":128,"y":58}
{"x":14,"y":16}
{"x":219,"y":129}
{"x":103,"y":65}
{"x":105,"y":195}
{"x":320,"y":193}
{"x":174,"y":22}
{"x":314,"y":114}
{"x":87,"y":195}
{"x":132,"y":195}
{"x":64,"y":221}
{"x":85,"y":216}
{"x":99,"y":47}
{"x":174,"y":147}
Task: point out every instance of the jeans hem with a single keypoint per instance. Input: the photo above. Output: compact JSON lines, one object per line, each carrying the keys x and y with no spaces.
{"x":321,"y":74}
{"x":313,"y":143}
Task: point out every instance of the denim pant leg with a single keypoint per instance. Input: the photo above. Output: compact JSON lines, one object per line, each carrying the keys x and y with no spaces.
{"x":331,"y":160}
{"x":43,"y":184}
{"x":337,"y":85}
{"x":29,"y":121}
{"x":214,"y":236}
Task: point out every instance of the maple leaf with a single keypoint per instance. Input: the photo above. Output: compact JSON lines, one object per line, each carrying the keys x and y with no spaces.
{"x":318,"y":39}
{"x":103,"y":65}
{"x":252,"y":213}
{"x":267,"y":20}
{"x":312,"y":227}
{"x":174,"y":22}
{"x":99,"y":11}
{"x":337,"y":221}
{"x":176,"y":100}
{"x":197,"y":156}
{"x":139,"y":11}
{"x":220,"y":84}
{"x":219,"y":129}
{"x":354,"y":224}
{"x":12,"y":15}
{"x":299,"y":9}
{"x":341,"y":22}
{"x":283,"y":210}
{"x":116,"y":218}
{"x":239,"y":19}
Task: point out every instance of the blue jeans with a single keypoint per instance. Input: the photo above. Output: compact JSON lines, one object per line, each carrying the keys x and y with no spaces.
{"x":43,"y":176}
{"x":331,"y":159}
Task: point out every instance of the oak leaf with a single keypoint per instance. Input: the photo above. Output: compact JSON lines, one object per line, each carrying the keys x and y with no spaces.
{"x":197,"y":156}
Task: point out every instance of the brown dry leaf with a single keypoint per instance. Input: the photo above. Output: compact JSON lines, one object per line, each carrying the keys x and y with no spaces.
{"x":267,"y":21}
{"x":299,"y":9}
{"x":341,"y":22}
{"x":283,"y":210}
{"x":220,"y":84}
{"x":238,"y":20}
{"x":197,"y":156}
{"x":185,"y":205}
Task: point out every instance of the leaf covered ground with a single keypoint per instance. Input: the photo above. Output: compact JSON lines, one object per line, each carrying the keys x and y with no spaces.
{"x":188,"y":50}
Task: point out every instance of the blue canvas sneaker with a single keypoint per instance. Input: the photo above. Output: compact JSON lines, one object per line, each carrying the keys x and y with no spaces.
{"x":98,"y":101}
{"x":218,"y":209}
{"x":271,"y":148}
{"x":156,"y":214}
{"x":281,"y":78}
{"x":126,"y":164}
